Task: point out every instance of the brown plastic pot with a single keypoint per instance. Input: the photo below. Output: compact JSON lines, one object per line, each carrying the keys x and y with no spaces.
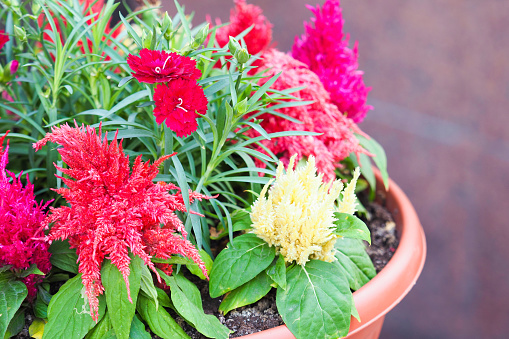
{"x":388,"y":287}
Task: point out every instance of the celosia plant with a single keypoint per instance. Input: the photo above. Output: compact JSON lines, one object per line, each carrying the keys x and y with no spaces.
{"x":324,"y":49}
{"x":299,"y":221}
{"x":113,"y":211}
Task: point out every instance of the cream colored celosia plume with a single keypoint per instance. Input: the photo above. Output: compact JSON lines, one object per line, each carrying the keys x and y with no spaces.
{"x":297,"y":217}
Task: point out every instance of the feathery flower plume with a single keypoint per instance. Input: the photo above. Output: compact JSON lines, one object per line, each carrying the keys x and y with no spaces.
{"x":325,"y":50}
{"x":112,"y":211}
{"x":20,"y":221}
{"x":159,"y":66}
{"x":177,"y":102}
{"x":297,"y":216}
{"x":242,"y":17}
{"x":337,"y":140}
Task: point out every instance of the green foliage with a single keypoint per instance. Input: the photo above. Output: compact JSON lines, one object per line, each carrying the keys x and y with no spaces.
{"x":349,"y":226}
{"x":246,"y":294}
{"x":12,"y":294}
{"x":354,"y":262}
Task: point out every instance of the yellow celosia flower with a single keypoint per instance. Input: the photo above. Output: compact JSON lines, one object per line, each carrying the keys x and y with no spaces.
{"x":297,"y":217}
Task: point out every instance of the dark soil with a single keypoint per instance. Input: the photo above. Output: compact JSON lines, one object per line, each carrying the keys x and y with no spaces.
{"x":263,"y":314}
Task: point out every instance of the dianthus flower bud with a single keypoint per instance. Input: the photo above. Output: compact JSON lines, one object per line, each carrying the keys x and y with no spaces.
{"x":233,"y":45}
{"x":167,"y":26}
{"x":13,"y":66}
{"x":202,"y":35}
{"x":20,"y":33}
{"x":147,"y":39}
{"x":242,"y":55}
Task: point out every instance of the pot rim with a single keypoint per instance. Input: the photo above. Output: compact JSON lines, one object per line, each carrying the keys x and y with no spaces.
{"x":395,"y":280}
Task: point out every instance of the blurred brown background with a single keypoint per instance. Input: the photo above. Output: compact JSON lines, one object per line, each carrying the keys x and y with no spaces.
{"x":440,"y":77}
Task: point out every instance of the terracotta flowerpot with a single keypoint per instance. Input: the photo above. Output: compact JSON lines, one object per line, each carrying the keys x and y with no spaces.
{"x":387,"y":288}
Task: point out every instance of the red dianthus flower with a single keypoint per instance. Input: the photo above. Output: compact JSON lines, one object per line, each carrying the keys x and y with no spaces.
{"x":3,"y":39}
{"x":242,"y":17}
{"x":112,"y":211}
{"x":159,"y":66}
{"x":20,"y":221}
{"x":177,"y":102}
{"x":325,"y":50}
{"x":337,"y":140}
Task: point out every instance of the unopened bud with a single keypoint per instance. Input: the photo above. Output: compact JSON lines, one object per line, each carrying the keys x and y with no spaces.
{"x":20,"y":33}
{"x":202,"y":35}
{"x":36,"y":7}
{"x":167,"y":26}
{"x":241,"y":106}
{"x":13,"y":66}
{"x":1,"y":72}
{"x":233,"y":45}
{"x":242,"y":55}
{"x":147,"y":39}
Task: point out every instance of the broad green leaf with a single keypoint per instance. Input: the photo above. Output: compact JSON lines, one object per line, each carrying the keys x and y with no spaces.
{"x":117,"y":300}
{"x":239,"y":263}
{"x":317,"y":301}
{"x":147,"y":284}
{"x":17,"y":323}
{"x":102,"y":327}
{"x":355,"y":263}
{"x":379,"y":157}
{"x":159,"y":320}
{"x":68,"y":314}
{"x":138,"y":330}
{"x":63,"y":257}
{"x":187,"y":301}
{"x":163,"y":298}
{"x":277,"y":272}
{"x":40,"y":308}
{"x":249,"y":293}
{"x":36,"y":329}
{"x":12,"y":294}
{"x":196,"y":270}
{"x":349,"y":226}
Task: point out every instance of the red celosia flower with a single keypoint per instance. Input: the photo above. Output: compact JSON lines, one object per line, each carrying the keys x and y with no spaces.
{"x":325,"y":50}
{"x":111,"y":211}
{"x":3,"y":39}
{"x":242,"y":17}
{"x":337,"y":140}
{"x":20,"y":221}
{"x":177,"y":102}
{"x":159,"y":66}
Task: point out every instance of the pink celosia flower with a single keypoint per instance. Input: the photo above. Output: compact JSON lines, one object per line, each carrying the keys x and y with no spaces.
{"x":160,"y":66}
{"x":3,"y":38}
{"x":325,"y":50}
{"x":242,"y":17}
{"x":20,"y":221}
{"x":112,"y":211}
{"x":337,"y":140}
{"x":177,"y":102}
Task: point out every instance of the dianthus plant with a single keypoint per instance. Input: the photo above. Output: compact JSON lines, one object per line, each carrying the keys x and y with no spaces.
{"x":305,"y":240}
{"x":112,"y":210}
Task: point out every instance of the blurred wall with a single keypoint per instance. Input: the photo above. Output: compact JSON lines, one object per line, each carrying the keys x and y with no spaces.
{"x":440,"y":77}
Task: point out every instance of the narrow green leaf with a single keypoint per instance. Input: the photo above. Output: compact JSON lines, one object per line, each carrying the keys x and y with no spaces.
{"x":262,"y":90}
{"x":125,"y":80}
{"x":349,"y":226}
{"x":317,"y":301}
{"x":101,"y":329}
{"x":249,"y":293}
{"x":147,"y":284}
{"x":239,"y":263}
{"x":159,"y":320}
{"x":63,"y":257}
{"x":277,"y":272}
{"x":355,"y":263}
{"x":40,"y":308}
{"x":12,"y":294}
{"x":31,"y":270}
{"x":187,"y":300}
{"x":379,"y":157}
{"x":68,"y":314}
{"x":117,"y":296}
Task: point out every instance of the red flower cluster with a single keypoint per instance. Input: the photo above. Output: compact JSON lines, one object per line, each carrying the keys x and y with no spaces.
{"x":325,"y":50}
{"x":177,"y":102}
{"x":112,"y":211}
{"x":242,"y":17}
{"x":337,"y":140}
{"x":181,"y":97}
{"x":20,"y":222}
{"x":3,"y":39}
{"x":159,"y":66}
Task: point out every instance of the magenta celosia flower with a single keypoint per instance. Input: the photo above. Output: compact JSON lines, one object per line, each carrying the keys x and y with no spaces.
{"x":242,"y":17}
{"x":325,"y":50}
{"x":177,"y":102}
{"x":159,"y":66}
{"x":112,"y":211}
{"x":20,"y":221}
{"x":337,"y":140}
{"x":3,"y":38}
